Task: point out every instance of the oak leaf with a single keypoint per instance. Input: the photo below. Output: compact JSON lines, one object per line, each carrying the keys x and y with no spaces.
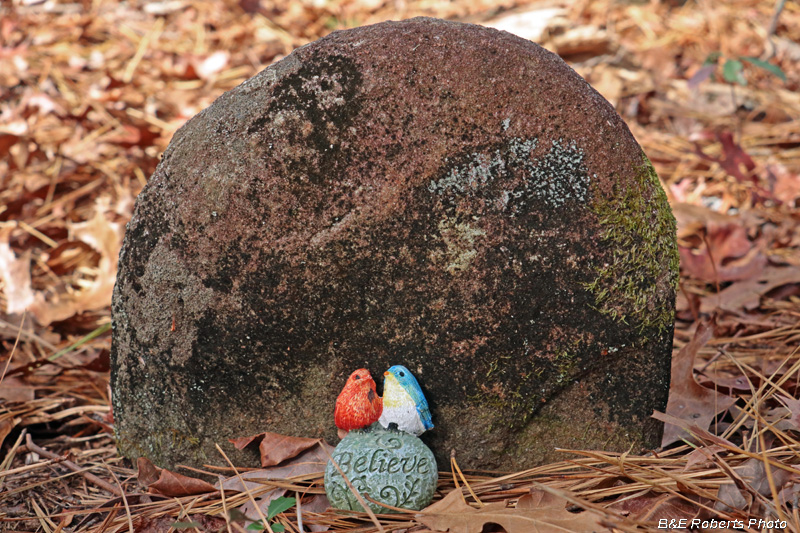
{"x":103,"y":233}
{"x":308,"y":462}
{"x":162,"y":481}
{"x":688,"y":400}
{"x":747,"y":294}
{"x":749,"y":478}
{"x":275,"y":448}
{"x":656,"y":507}
{"x":715,"y":247}
{"x":538,"y":511}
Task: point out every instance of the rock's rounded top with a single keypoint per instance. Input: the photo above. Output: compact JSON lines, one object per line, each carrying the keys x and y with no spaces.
{"x":437,"y":193}
{"x":379,"y":106}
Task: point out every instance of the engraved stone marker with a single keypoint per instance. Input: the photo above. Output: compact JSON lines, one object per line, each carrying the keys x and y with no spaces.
{"x":391,"y":466}
{"x":437,"y":193}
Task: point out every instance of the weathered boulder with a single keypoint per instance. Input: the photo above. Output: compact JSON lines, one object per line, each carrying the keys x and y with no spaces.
{"x":428,"y":193}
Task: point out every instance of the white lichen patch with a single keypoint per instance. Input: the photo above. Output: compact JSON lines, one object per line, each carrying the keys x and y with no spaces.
{"x":477,"y":171}
{"x":555,"y":178}
{"x":481,"y":168}
{"x":327,"y":90}
{"x":460,"y":245}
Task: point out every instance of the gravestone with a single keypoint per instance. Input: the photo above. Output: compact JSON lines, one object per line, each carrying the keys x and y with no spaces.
{"x":434,"y":194}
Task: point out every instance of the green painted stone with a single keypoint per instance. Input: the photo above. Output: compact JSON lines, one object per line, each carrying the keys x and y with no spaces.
{"x":392,"y":467}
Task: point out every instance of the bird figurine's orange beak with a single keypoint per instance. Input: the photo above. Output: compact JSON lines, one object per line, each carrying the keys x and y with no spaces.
{"x":386,"y":373}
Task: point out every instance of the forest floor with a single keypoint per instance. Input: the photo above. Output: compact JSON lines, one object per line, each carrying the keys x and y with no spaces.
{"x":91,"y":93}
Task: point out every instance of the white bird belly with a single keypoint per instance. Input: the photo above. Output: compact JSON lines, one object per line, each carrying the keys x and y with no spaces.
{"x":406,"y":418}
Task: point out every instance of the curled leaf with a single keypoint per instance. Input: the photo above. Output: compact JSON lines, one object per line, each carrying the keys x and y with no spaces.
{"x":537,"y":511}
{"x":171,"y":484}
{"x":688,"y":400}
{"x":275,"y":448}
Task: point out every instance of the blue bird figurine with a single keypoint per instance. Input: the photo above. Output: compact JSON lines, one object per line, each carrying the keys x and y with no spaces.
{"x":404,"y":404}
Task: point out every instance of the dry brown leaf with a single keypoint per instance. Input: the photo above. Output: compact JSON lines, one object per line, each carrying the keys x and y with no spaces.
{"x":538,"y":511}
{"x":654,"y":508}
{"x":311,"y":461}
{"x":7,"y":141}
{"x":15,"y":273}
{"x":171,"y":484}
{"x":6,"y":425}
{"x":275,"y":448}
{"x":243,"y":442}
{"x":734,"y":159}
{"x":148,"y":473}
{"x":689,"y":400}
{"x":790,"y":493}
{"x":702,"y":457}
{"x":752,"y":479}
{"x":104,"y":234}
{"x":786,"y":186}
{"x":15,"y":389}
{"x":164,"y":524}
{"x":746,"y":295}
{"x":726,"y":254}
{"x":715,"y":247}
{"x":793,"y":406}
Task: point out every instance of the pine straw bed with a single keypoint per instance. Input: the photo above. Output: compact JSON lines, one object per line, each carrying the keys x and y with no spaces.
{"x":91,"y":94}
{"x":744,"y":468}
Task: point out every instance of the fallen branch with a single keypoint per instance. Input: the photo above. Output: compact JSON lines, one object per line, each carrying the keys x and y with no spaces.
{"x":72,"y":466}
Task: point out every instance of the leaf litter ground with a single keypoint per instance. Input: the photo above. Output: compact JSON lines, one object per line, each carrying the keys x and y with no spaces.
{"x":91,"y":93}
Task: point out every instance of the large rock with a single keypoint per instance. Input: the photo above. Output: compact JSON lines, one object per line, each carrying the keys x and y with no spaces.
{"x":439,"y":195}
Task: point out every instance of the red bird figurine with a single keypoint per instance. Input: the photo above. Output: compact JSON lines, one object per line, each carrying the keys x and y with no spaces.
{"x":358,"y":405}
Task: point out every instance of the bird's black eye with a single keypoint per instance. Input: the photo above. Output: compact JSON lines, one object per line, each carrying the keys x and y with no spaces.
{"x":402,"y":374}
{"x":357,"y":376}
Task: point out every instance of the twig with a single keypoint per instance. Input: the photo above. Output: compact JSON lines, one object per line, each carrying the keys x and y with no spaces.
{"x":72,"y":466}
{"x":185,"y":513}
{"x":124,"y":498}
{"x":28,"y":335}
{"x":354,"y":491}
{"x":14,"y":349}
{"x":4,"y":466}
{"x":224,"y":504}
{"x":297,"y":498}
{"x":460,"y":473}
{"x":453,"y":471}
{"x":773,"y":25}
{"x":247,"y":490}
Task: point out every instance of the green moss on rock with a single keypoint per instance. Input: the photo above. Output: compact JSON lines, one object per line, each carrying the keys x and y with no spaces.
{"x":639,"y":227}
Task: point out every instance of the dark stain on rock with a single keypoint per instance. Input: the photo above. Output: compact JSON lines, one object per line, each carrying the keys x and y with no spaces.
{"x":228,"y":267}
{"x":147,"y":229}
{"x":313,"y":108}
{"x":212,"y":378}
